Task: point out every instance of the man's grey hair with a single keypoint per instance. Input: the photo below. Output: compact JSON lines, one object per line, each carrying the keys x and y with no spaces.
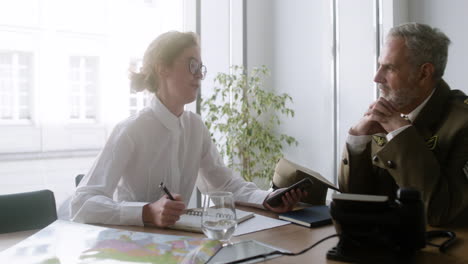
{"x":425,"y":45}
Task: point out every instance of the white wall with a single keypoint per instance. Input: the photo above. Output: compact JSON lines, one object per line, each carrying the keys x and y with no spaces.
{"x":295,"y":39}
{"x":356,"y":61}
{"x":450,"y":16}
{"x":215,"y":37}
{"x":302,"y":67}
{"x":260,"y":33}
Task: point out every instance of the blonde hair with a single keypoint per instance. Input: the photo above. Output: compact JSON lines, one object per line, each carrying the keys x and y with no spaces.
{"x":162,"y":51}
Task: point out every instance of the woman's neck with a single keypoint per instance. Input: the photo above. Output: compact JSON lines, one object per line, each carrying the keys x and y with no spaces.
{"x":176,"y":108}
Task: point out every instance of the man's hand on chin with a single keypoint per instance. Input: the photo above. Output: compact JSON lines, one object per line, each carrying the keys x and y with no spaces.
{"x":380,"y":117}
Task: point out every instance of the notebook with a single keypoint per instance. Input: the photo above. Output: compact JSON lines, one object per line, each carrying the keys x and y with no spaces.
{"x":310,"y":216}
{"x":191,"y":220}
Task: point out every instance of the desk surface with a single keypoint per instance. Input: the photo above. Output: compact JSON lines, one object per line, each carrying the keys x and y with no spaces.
{"x":295,"y":238}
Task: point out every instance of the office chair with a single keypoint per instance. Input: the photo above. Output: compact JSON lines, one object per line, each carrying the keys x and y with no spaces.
{"x":27,"y":211}
{"x":78,"y":179}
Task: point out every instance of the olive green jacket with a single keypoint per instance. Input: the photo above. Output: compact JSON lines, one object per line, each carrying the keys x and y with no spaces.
{"x":430,"y":156}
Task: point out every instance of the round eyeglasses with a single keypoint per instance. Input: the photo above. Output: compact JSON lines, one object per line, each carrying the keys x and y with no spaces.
{"x":196,"y":66}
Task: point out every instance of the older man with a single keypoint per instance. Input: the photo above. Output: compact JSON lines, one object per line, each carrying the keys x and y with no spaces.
{"x":416,"y":133}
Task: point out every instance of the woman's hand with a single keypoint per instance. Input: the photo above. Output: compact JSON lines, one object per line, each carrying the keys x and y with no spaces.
{"x":289,"y":200}
{"x":164,"y":212}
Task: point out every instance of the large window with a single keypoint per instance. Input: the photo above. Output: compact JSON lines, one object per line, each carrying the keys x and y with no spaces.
{"x":83,"y":88}
{"x":137,"y":100}
{"x":15,"y":86}
{"x":64,"y":78}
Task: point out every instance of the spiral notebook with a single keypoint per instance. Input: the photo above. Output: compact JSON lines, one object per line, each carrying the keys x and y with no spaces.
{"x":191,"y":219}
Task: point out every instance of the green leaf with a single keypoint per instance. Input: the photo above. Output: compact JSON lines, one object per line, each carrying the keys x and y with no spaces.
{"x":244,"y":115}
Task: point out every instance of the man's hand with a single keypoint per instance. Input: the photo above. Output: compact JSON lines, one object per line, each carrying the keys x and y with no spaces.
{"x":164,"y":212}
{"x":387,"y":115}
{"x":290,"y":199}
{"x":381,"y":117}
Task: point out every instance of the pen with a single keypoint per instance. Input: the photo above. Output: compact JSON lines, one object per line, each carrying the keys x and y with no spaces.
{"x":166,"y":191}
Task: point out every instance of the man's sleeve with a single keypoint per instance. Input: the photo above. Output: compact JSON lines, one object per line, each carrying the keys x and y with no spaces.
{"x":443,"y":186}
{"x":356,"y":171}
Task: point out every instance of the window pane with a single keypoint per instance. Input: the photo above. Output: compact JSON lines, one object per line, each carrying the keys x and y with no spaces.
{"x":5,"y":58}
{"x":75,"y":107}
{"x":15,"y":85}
{"x":6,"y":102}
{"x":24,"y":58}
{"x":133,"y":101}
{"x":83,"y":87}
{"x":23,"y":87}
{"x":24,"y":113}
{"x":24,"y":101}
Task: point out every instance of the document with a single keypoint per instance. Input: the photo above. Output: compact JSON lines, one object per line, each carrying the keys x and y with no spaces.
{"x":258,"y":223}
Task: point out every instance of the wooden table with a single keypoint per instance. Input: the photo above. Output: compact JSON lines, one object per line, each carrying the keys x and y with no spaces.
{"x":295,"y":238}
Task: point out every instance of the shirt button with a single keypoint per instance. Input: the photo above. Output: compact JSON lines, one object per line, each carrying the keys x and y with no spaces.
{"x":375,"y":159}
{"x":345,"y":161}
{"x":391,"y":164}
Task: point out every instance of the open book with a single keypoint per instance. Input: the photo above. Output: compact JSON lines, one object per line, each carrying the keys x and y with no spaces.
{"x":191,"y":219}
{"x":288,"y":173}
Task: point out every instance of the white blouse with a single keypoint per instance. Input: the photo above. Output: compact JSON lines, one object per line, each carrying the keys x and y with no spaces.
{"x":144,"y":150}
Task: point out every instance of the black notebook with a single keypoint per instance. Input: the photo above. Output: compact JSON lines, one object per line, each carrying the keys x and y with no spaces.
{"x":310,"y":216}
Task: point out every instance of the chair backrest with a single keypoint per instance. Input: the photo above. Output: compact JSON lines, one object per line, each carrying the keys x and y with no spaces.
{"x":27,"y":211}
{"x":78,"y":179}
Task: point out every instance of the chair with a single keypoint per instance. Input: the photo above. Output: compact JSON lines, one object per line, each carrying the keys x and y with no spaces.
{"x":27,"y":211}
{"x":78,"y":179}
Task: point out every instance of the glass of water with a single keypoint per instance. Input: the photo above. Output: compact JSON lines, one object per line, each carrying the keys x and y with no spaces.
{"x":219,"y":220}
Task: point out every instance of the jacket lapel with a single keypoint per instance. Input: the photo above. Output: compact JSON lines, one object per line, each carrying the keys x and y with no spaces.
{"x":428,"y":119}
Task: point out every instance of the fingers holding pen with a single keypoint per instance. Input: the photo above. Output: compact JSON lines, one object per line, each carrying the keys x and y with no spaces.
{"x":172,"y":209}
{"x":164,"y":212}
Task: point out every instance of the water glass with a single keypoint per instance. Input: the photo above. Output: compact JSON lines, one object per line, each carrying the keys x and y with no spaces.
{"x":219,"y":216}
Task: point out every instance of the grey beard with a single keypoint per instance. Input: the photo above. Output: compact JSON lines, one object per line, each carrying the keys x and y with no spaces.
{"x":399,"y":99}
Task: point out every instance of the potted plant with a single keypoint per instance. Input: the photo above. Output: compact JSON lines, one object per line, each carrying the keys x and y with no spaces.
{"x":242,"y":118}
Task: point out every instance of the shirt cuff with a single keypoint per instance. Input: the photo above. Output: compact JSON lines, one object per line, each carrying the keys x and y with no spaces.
{"x":131,"y":213}
{"x":357,"y":144}
{"x":395,"y":132}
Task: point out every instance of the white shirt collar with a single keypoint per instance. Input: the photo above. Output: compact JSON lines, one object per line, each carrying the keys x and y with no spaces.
{"x":169,"y":120}
{"x":412,"y":116}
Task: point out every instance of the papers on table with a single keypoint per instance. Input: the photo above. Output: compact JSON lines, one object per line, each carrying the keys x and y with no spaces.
{"x":258,"y":223}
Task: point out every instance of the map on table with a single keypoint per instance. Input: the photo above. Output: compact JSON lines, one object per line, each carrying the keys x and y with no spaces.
{"x":68,"y":242}
{"x":141,"y":247}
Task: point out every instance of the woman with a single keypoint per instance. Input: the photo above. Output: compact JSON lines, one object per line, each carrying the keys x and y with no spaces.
{"x":162,"y":143}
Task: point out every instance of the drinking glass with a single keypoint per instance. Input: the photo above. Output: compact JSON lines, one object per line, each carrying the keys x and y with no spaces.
{"x":219,"y":220}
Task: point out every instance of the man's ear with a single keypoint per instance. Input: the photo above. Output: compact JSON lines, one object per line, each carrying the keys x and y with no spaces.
{"x":426,"y":72}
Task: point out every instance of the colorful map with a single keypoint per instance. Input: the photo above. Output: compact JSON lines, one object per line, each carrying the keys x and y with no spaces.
{"x":65,"y":242}
{"x":150,"y":248}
